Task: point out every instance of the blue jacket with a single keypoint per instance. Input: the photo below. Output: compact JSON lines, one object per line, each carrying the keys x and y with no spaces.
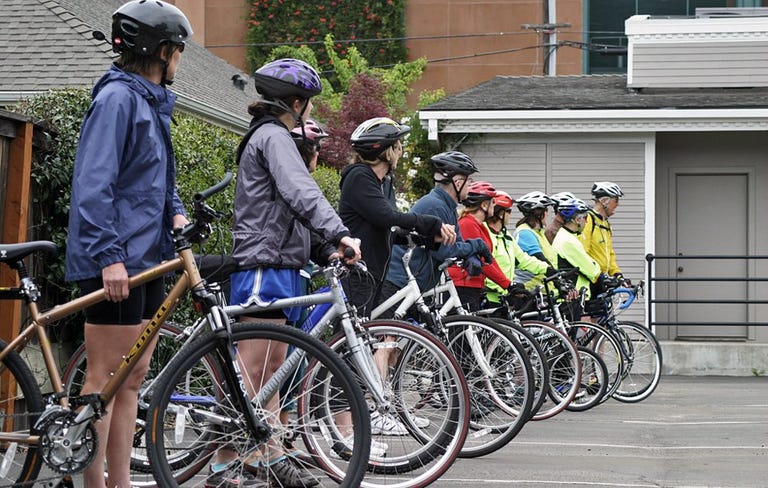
{"x":123,"y":188}
{"x":424,"y":263}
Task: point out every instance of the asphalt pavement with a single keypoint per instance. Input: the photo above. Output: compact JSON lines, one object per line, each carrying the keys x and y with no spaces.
{"x":692,"y":432}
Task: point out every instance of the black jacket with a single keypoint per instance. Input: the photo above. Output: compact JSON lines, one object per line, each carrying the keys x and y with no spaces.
{"x":367,"y":207}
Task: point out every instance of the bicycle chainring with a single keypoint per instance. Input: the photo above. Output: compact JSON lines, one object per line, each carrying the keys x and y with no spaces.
{"x":59,"y":452}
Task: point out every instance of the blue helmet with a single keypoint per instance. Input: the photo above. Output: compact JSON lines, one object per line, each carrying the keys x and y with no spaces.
{"x":287,"y":77}
{"x":570,"y":208}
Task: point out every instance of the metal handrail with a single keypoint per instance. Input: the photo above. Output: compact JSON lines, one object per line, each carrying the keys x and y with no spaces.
{"x":651,"y":289}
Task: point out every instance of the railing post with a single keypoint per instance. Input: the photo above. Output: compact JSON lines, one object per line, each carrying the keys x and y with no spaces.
{"x":649,"y":291}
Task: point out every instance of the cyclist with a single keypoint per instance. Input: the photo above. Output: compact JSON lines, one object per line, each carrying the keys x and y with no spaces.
{"x":506,"y":252}
{"x":597,"y":236}
{"x":308,"y":142}
{"x":570,"y":251}
{"x":452,"y":170}
{"x":557,"y":221}
{"x":529,"y":235}
{"x":478,"y":207}
{"x":277,"y":207}
{"x":123,"y":208}
{"x":367,"y":206}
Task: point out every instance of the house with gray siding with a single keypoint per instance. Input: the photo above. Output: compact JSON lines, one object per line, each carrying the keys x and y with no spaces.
{"x":691,"y":155}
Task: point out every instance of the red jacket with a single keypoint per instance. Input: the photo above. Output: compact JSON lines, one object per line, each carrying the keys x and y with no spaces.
{"x":471,"y":228}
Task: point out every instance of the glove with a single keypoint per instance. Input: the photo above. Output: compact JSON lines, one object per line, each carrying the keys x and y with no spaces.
{"x":428,"y":225}
{"x":473,"y":266}
{"x":549,"y":271}
{"x":516,"y":289}
{"x":485,"y":253}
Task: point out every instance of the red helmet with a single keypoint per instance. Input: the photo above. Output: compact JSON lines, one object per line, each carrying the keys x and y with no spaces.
{"x":479,"y":192}
{"x":503,"y":200}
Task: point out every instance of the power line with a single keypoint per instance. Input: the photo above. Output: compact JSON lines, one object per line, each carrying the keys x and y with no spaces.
{"x":404,"y":38}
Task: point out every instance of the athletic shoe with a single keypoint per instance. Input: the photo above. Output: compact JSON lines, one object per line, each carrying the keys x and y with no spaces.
{"x":386,"y":424}
{"x":233,"y":477}
{"x":343,"y":449}
{"x":283,"y":473}
{"x":419,"y":422}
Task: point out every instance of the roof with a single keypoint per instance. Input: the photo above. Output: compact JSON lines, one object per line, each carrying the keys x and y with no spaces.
{"x":46,"y":44}
{"x":591,"y":92}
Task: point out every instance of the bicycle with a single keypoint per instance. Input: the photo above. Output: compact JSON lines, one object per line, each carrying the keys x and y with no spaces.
{"x":497,"y":368}
{"x":57,"y":430}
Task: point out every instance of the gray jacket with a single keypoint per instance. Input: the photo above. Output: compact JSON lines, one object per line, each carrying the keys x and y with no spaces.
{"x":278,"y":204}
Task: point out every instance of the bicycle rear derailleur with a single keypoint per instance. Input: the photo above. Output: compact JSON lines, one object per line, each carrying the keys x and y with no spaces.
{"x":59,"y":451}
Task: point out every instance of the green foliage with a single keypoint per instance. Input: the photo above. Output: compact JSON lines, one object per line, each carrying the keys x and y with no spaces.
{"x":296,"y":21}
{"x":203,"y":154}
{"x":758,"y":372}
{"x":328,"y":180}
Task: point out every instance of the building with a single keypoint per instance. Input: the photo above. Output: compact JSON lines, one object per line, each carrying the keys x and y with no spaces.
{"x":684,"y":134}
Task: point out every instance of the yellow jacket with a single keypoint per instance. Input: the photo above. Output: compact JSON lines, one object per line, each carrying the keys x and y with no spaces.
{"x":597,"y":239}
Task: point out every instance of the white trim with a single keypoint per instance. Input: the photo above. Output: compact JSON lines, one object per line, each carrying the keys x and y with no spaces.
{"x":643,"y":25}
{"x":650,"y":213}
{"x":589,"y":121}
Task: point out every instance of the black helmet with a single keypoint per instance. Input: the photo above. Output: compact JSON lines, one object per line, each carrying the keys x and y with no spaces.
{"x":374,"y":136}
{"x":141,"y":26}
{"x":451,"y":163}
{"x":287,"y":77}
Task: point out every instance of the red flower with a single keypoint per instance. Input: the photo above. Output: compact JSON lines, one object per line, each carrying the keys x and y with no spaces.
{"x":322,"y":19}
{"x":270,"y":16}
{"x":297,"y":12}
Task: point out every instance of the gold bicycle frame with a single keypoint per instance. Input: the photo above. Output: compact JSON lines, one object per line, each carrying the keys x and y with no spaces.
{"x":40,"y":320}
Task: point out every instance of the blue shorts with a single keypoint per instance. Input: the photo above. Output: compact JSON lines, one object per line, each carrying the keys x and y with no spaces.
{"x":262,"y":286}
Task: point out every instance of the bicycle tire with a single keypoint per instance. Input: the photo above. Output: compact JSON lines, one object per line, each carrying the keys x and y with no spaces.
{"x":501,"y":399}
{"x":539,"y":365}
{"x":22,"y":468}
{"x":604,"y":343}
{"x":594,"y":381}
{"x":424,"y":370}
{"x":210,"y":418}
{"x":187,"y":463}
{"x":564,"y":373}
{"x":644,"y":370}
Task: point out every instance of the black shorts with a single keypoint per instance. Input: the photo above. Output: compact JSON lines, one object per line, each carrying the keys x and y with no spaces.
{"x":142,"y":303}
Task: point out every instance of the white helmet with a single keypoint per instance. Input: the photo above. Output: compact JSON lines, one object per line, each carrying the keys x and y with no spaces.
{"x":606,"y":189}
{"x":562,"y":197}
{"x":533,"y":200}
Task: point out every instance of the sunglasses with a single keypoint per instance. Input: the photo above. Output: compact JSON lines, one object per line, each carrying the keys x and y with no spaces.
{"x":181,"y":45}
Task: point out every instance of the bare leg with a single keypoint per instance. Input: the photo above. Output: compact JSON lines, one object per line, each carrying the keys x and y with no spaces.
{"x":105,"y":346}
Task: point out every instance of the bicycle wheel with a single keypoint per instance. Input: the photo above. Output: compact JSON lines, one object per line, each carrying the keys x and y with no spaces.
{"x":604,"y":344}
{"x":594,"y":381}
{"x":184,"y":464}
{"x":500,"y":380}
{"x":564,"y":367}
{"x":539,"y":365}
{"x":190,"y":412}
{"x":644,"y":357}
{"x":20,"y":405}
{"x":428,"y":406}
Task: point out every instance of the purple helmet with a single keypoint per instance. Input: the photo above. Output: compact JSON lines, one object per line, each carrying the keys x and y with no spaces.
{"x":287,"y":77}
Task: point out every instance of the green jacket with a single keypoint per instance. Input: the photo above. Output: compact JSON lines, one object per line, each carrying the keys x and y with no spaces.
{"x":507,"y":253}
{"x":570,"y":254}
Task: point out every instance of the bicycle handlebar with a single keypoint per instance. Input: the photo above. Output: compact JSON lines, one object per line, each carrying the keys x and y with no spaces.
{"x":203,"y":195}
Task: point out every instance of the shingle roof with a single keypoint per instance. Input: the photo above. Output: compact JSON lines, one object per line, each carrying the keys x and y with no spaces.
{"x":597,"y":92}
{"x":47,"y":44}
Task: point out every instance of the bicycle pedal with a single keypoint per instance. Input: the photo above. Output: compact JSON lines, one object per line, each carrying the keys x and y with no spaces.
{"x":65,"y":482}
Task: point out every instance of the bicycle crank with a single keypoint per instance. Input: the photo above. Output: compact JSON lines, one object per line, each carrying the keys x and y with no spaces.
{"x":65,"y":447}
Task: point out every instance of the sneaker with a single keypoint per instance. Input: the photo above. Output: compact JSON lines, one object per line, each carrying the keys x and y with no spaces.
{"x":283,"y":473}
{"x":343,"y":449}
{"x":233,"y":477}
{"x":386,"y":424}
{"x":419,"y":422}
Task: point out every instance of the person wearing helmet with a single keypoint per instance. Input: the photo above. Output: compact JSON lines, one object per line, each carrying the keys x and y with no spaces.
{"x":506,"y":253}
{"x":452,"y":170}
{"x":124,"y":206}
{"x":367,"y":206}
{"x":470,"y":284}
{"x":570,"y":251}
{"x":280,"y":216}
{"x":529,"y":235}
{"x":557,"y":221}
{"x":308,"y":142}
{"x":597,"y":236}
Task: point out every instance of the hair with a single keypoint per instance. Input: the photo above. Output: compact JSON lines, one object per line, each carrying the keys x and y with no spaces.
{"x":534,"y":218}
{"x":134,"y":63}
{"x":260,"y":109}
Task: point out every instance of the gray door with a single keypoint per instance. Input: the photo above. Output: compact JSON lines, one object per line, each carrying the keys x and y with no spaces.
{"x":711,"y":220}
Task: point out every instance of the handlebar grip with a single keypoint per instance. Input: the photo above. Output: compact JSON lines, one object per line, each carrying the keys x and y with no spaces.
{"x":200,"y":196}
{"x":626,"y":303}
{"x":349,"y":253}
